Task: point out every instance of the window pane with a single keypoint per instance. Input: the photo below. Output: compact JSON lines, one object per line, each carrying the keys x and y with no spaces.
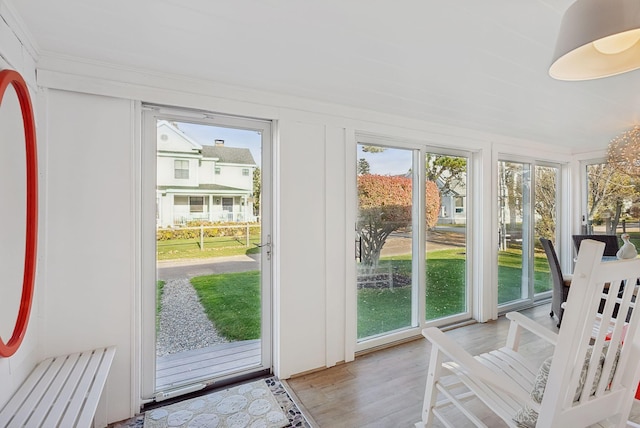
{"x":181,"y":168}
{"x":197,"y":204}
{"x":545,"y":223}
{"x":613,"y":205}
{"x":446,"y":273}
{"x":384,"y":247}
{"x":514,"y":223}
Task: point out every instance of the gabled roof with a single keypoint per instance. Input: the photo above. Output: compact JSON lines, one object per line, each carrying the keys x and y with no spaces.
{"x":221,"y":153}
{"x":229,"y":154}
{"x":171,"y":138}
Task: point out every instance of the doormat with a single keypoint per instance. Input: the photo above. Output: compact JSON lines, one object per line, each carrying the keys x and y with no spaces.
{"x":247,"y":405}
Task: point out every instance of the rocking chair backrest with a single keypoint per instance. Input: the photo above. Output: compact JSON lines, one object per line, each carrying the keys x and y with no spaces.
{"x":604,"y":360}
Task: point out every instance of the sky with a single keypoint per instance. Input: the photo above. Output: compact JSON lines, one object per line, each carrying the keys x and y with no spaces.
{"x":207,"y":134}
{"x":389,"y":162}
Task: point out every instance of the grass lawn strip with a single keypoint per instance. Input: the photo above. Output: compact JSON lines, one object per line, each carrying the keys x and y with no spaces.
{"x":232,"y":303}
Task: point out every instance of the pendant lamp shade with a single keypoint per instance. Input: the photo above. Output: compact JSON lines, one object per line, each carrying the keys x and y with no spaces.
{"x":598,"y":38}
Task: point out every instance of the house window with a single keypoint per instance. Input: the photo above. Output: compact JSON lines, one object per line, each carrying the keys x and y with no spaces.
{"x":217,"y":170}
{"x":181,"y":168}
{"x":459,"y":204}
{"x":196,"y":204}
{"x":245,"y":171}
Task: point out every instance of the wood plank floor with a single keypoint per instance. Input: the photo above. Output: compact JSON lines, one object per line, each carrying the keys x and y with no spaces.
{"x":204,"y":363}
{"x":385,"y":388}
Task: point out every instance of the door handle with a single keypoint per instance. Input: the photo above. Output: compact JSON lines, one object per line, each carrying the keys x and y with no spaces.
{"x":267,"y":245}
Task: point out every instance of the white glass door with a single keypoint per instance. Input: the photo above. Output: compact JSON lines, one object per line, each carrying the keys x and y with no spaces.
{"x":206,"y":250}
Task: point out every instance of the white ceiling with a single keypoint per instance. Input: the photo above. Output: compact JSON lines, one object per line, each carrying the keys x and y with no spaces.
{"x":468,"y":63}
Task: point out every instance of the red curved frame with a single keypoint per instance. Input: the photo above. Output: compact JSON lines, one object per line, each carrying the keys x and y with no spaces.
{"x":10,"y":77}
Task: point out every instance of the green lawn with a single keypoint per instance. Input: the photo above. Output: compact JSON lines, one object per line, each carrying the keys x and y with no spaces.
{"x":159,"y":289}
{"x":213,"y":247}
{"x":384,"y":310}
{"x":232,"y":300}
{"x":232,"y":303}
{"x":510,"y":272}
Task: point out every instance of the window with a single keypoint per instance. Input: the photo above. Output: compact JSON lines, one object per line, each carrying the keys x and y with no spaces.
{"x":181,"y":169}
{"x":459,"y":202}
{"x":528,"y":208}
{"x":385,"y":284}
{"x":196,"y":204}
{"x":245,"y":171}
{"x":217,"y":170}
{"x":611,"y":205}
{"x":411,"y":246}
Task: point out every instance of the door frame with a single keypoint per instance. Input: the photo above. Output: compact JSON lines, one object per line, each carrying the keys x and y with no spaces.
{"x":149,"y":114}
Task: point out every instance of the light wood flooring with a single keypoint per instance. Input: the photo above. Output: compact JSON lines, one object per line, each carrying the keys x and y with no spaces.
{"x":385,"y":388}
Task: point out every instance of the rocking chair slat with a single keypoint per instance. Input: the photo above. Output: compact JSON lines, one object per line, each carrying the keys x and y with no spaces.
{"x":500,"y":403}
{"x":511,"y":365}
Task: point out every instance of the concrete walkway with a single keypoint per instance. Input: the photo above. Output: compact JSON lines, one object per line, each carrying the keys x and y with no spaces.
{"x":188,"y":268}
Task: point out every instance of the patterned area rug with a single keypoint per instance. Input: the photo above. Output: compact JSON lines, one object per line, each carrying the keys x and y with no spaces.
{"x":295,"y":418}
{"x":248,"y":405}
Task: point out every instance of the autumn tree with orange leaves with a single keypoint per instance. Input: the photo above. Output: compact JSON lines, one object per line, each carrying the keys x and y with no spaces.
{"x":385,"y":206}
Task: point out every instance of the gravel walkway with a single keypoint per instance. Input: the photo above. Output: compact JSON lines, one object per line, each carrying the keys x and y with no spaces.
{"x":183,"y":322}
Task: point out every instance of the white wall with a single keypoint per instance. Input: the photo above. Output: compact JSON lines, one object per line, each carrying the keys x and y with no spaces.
{"x":90,"y":258}
{"x":14,"y":54}
{"x":303,"y":310}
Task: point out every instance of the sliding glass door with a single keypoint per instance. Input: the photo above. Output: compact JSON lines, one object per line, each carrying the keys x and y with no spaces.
{"x":446,"y":256}
{"x":411,"y":246}
{"x":386,"y":240}
{"x":527,"y":210}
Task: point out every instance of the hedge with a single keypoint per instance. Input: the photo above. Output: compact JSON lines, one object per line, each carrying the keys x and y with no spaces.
{"x":211,"y":230}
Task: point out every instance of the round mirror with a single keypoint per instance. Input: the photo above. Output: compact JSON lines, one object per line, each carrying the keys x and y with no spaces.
{"x":19,"y":195}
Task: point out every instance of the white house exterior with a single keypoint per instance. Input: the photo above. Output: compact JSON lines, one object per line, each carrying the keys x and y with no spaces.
{"x":453,"y":205}
{"x":201,"y":182}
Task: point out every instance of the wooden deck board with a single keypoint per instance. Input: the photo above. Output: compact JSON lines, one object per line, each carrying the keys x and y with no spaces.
{"x":190,"y":366}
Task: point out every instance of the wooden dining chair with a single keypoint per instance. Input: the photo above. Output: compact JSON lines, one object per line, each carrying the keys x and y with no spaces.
{"x":561,"y":282}
{"x":611,"y":243}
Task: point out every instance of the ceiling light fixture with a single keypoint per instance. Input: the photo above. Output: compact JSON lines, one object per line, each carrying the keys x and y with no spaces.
{"x":624,"y":152}
{"x":598,"y":38}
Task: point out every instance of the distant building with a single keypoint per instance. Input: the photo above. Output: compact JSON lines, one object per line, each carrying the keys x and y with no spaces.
{"x":453,"y":204}
{"x":196,"y":182}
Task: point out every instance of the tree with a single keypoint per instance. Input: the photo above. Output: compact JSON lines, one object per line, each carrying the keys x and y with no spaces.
{"x":609,"y":190}
{"x":363,"y":166}
{"x":372,"y":149}
{"x":545,"y":202}
{"x":449,"y":171}
{"x":385,"y":204}
{"x":257,"y":181}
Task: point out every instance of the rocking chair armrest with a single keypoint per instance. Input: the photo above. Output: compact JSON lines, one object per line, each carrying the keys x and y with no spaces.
{"x":472,"y":367}
{"x":528,"y":324}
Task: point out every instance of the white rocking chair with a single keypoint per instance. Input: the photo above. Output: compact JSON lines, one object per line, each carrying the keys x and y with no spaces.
{"x":591,"y":377}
